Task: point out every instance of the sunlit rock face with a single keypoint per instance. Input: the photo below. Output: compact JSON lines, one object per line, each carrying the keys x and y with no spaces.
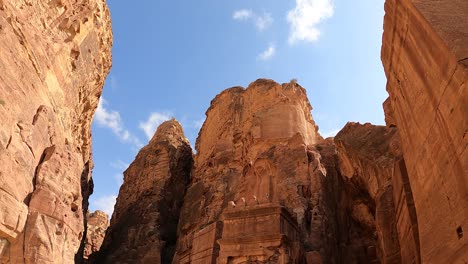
{"x":424,"y":52}
{"x":143,"y":227}
{"x":97,"y":224}
{"x":252,"y":150}
{"x":54,"y":57}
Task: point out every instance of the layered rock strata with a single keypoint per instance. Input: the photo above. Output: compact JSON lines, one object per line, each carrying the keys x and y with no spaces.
{"x":143,"y":227}
{"x":251,"y":151}
{"x":54,"y":58}
{"x":424,"y":52}
{"x":97,"y":224}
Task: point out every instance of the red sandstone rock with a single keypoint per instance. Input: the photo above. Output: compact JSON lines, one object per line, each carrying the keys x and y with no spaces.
{"x":143,"y":227}
{"x":97,"y":224}
{"x":367,"y":157}
{"x":254,"y":143}
{"x":425,"y":46}
{"x":54,"y":57}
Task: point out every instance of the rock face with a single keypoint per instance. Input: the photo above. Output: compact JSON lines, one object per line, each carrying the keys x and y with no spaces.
{"x":252,"y":151}
{"x":367,"y":157}
{"x":54,"y":58}
{"x":265,"y":187}
{"x":97,"y":224}
{"x":144,"y":224}
{"x":424,"y":52}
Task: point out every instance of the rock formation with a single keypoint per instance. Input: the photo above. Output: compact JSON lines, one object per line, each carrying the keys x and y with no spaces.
{"x":267,"y":188}
{"x":264,"y":186}
{"x":54,"y":58}
{"x":97,"y":224}
{"x":144,"y":224}
{"x":367,"y":157}
{"x":425,"y":56}
{"x":252,"y":150}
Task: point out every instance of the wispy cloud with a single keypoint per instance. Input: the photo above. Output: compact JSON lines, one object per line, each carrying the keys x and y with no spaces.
{"x":242,"y":14}
{"x":330,"y":133}
{"x":111,"y":119}
{"x":197,"y":124}
{"x":119,"y":179}
{"x":154,"y":120}
{"x":268,"y":53}
{"x":305,"y":18}
{"x":120,"y":165}
{"x":264,"y":21}
{"x":105,"y":204}
{"x":261,"y":22}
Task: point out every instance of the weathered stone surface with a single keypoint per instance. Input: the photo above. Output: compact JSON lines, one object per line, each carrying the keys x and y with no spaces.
{"x":143,"y":227}
{"x":259,"y":234}
{"x":54,"y":58}
{"x":367,"y":157}
{"x":97,"y":224}
{"x":252,"y":150}
{"x":424,"y":53}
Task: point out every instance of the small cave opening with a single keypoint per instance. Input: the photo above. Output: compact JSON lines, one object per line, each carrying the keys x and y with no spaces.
{"x":459,"y":232}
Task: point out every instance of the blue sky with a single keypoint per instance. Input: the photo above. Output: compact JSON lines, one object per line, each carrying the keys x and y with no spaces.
{"x":170,"y":58}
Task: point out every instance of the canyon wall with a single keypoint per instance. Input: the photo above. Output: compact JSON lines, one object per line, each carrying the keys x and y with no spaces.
{"x":425,"y":56}
{"x":143,"y":227}
{"x":97,"y":224}
{"x":267,"y":188}
{"x":54,"y":57}
{"x":251,"y":154}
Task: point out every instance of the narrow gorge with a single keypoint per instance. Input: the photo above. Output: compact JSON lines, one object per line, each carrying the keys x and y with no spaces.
{"x":262,"y":185}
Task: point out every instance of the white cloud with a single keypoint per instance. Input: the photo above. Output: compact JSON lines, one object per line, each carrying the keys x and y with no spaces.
{"x":242,"y":14}
{"x":268,"y":53}
{"x":119,"y":179}
{"x":105,"y":204}
{"x":112,"y":120}
{"x":330,"y":133}
{"x":261,"y":22}
{"x":154,"y":120}
{"x":305,"y":18}
{"x":120,"y":165}
{"x":197,"y":124}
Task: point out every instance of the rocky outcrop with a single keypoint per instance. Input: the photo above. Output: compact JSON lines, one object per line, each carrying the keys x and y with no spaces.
{"x":143,"y":227}
{"x":367,"y":157}
{"x":54,"y":58}
{"x":252,"y":151}
{"x":97,"y":224}
{"x":424,"y":52}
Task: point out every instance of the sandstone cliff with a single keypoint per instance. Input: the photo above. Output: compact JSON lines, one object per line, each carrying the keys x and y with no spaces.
{"x":54,"y":58}
{"x":252,"y":150}
{"x":97,"y":224}
{"x":424,"y":52}
{"x":367,"y":156}
{"x":144,"y":224}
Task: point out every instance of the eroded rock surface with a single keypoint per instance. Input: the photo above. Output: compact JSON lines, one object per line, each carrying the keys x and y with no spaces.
{"x":143,"y":227}
{"x":424,"y":52}
{"x":367,"y":157}
{"x":252,"y":151}
{"x":97,"y":224}
{"x":54,"y":58}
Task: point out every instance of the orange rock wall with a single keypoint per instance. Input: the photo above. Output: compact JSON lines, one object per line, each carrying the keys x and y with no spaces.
{"x":254,"y":142}
{"x":143,"y":227}
{"x":54,"y":57}
{"x":97,"y":224}
{"x":424,"y":52}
